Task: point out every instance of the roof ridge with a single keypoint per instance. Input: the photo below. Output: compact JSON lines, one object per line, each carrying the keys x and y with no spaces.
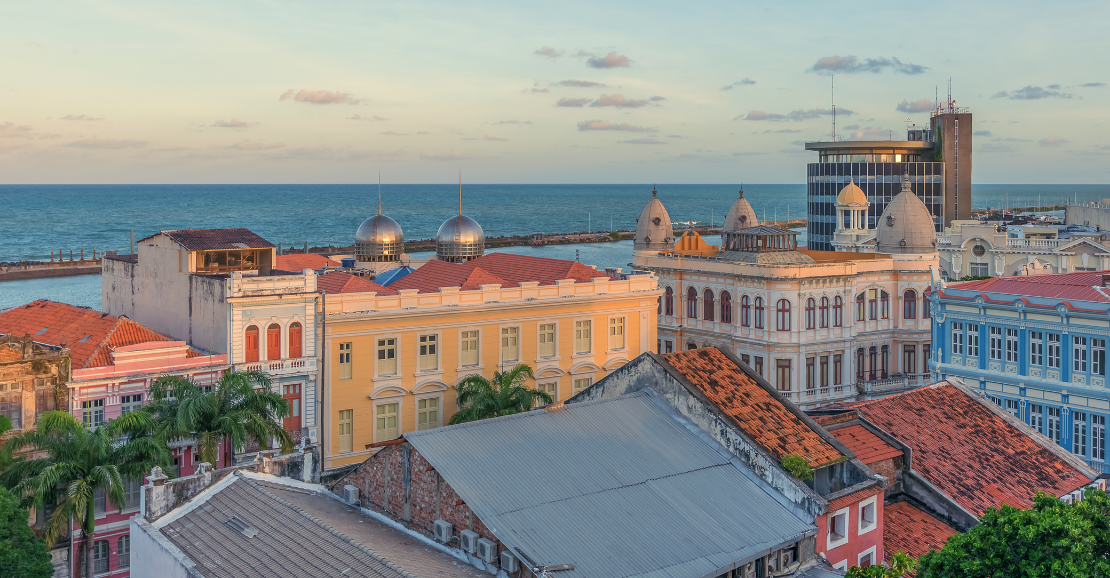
{"x":104,"y":342}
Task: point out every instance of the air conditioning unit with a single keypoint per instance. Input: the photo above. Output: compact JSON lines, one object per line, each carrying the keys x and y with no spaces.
{"x":508,"y":562}
{"x":468,"y":541}
{"x":487,"y":550}
{"x":350,"y":494}
{"x":443,"y":530}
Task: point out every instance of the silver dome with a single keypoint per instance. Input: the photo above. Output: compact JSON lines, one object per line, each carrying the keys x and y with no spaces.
{"x":379,"y":238}
{"x":460,"y":239}
{"x":906,"y":226}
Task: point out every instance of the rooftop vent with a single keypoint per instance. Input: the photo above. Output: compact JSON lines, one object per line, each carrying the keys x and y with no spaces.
{"x":43,"y":330}
{"x":247,"y":530}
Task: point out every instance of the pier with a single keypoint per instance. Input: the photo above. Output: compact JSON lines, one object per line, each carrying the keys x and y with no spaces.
{"x":75,"y":265}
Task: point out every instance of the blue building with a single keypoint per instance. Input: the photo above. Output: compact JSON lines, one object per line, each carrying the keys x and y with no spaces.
{"x":1036,"y":346}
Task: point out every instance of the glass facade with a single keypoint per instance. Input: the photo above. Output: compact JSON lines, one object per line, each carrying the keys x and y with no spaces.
{"x":880,"y":181}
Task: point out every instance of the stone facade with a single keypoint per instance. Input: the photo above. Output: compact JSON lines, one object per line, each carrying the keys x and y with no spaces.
{"x":30,"y":376}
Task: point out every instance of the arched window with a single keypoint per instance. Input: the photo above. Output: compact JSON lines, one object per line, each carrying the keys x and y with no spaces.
{"x":811,"y":313}
{"x":745,"y":311}
{"x":692,"y":303}
{"x":707,"y":307}
{"x":691,"y":346}
{"x":251,"y":344}
{"x":884,"y":301}
{"x":726,"y":307}
{"x":273,"y":341}
{"x":860,"y":308}
{"x":759,"y":313}
{"x":783,"y":317}
{"x":824,"y":316}
{"x":909,"y":304}
{"x":838,"y":311}
{"x":872,"y":304}
{"x":668,"y":302}
{"x":295,"y":340}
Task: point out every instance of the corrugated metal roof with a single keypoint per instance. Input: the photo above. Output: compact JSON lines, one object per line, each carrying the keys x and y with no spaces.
{"x":617,"y":487}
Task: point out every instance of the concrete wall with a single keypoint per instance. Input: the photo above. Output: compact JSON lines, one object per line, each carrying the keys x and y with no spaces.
{"x":1093,"y":215}
{"x":152,"y":555}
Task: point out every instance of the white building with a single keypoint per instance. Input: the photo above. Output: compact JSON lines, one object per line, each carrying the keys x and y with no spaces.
{"x":985,"y":249}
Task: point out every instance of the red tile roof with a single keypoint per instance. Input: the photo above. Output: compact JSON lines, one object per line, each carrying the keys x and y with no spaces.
{"x":853,"y":498}
{"x":1075,"y":286}
{"x":338,"y":282}
{"x":298,"y":262}
{"x":214,"y":239}
{"x":89,"y":334}
{"x":974,"y":456}
{"x":505,"y":269}
{"x":911,"y":530}
{"x":761,"y":414}
{"x":869,"y":448}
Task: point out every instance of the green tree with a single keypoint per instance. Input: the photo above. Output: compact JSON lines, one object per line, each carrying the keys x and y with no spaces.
{"x":1053,"y":539}
{"x":79,"y":462}
{"x":900,"y":565}
{"x":22,"y":554}
{"x":479,"y":398}
{"x":798,"y":466}
{"x":238,"y":407}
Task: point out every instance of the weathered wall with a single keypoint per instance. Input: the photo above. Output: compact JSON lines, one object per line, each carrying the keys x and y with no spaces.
{"x":207,"y":313}
{"x":153,"y":555}
{"x":937,"y":501}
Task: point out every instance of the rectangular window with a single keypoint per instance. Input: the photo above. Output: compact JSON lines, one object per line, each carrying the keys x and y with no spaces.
{"x":1079,"y":433}
{"x":973,"y":340}
{"x":582,"y":336}
{"x":759,"y":365}
{"x":44,"y":396}
{"x":824,"y":371}
{"x":123,"y":554}
{"x":345,"y":361}
{"x":1012,"y":407}
{"x":909,"y":359}
{"x":99,"y":501}
{"x":387,"y":356}
{"x":746,"y":359}
{"x":1011,"y":345}
{"x":782,"y":374}
{"x":837,"y":373}
{"x":1054,"y":424}
{"x":1054,"y":351}
{"x":616,"y":333}
{"x":1079,"y":354}
{"x":867,"y":516}
{"x":551,"y":388}
{"x":957,"y":338}
{"x":129,"y":403}
{"x":429,"y":352}
{"x":469,"y":354}
{"x":385,"y":422}
{"x":668,"y":345}
{"x":427,"y":413}
{"x":925,"y":353}
{"x":978,"y":269}
{"x":92,"y":413}
{"x":11,"y":403}
{"x":510,"y":344}
{"x":995,"y":342}
{"x":811,"y":382}
{"x":100,"y":557}
{"x":582,"y":383}
{"x":1036,"y":417}
{"x":838,"y":527}
{"x":547,"y":340}
{"x":1098,"y":356}
{"x":872,"y":304}
{"x":1036,"y":348}
{"x":1098,"y":437}
{"x":345,"y":437}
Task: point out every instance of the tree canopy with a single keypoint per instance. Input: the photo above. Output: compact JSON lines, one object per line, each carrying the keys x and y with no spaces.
{"x":480,"y":398}
{"x":22,"y":554}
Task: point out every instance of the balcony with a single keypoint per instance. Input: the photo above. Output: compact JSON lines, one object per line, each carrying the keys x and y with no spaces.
{"x":820,"y":395}
{"x":944,"y":239}
{"x":897,"y":382}
{"x":280,"y":366}
{"x":1033,"y":243}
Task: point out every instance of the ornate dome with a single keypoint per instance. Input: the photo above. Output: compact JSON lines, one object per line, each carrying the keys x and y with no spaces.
{"x":740,"y":215}
{"x":379,"y":238}
{"x":460,"y":239}
{"x":653,"y":227}
{"x":851,"y":195}
{"x":906,"y":226}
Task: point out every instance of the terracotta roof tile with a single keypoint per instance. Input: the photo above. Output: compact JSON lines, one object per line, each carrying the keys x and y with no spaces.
{"x":338,"y":282}
{"x":89,"y":334}
{"x":974,"y":456}
{"x":214,"y":239}
{"x":298,"y":262}
{"x":911,"y":530}
{"x":868,"y":447}
{"x":762,"y":415}
{"x":506,"y":269}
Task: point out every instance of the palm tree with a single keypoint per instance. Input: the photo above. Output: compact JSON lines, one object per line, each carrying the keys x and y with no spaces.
{"x":240,"y":406}
{"x":79,"y":462}
{"x":478,"y":398}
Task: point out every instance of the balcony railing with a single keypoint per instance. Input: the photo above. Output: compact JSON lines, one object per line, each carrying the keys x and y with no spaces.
{"x":944,"y":239}
{"x":298,"y":364}
{"x":1034,"y":243}
{"x":892,"y":383}
{"x":820,"y":394}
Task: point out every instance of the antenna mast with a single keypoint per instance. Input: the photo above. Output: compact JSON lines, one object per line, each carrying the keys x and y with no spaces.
{"x":832,"y":82}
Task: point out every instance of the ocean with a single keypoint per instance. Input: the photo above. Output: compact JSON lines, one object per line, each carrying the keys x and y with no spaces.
{"x":38,"y":219}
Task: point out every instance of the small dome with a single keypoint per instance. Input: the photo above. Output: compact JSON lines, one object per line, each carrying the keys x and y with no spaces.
{"x":460,"y":239}
{"x":653,"y":227}
{"x":379,"y":238}
{"x":851,"y":195}
{"x":906,"y":226}
{"x":740,"y":215}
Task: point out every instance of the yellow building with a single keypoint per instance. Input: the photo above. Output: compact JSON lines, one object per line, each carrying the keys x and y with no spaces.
{"x":393,"y":355}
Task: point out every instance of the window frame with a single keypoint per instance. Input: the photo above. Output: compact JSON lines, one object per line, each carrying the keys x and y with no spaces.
{"x":512,"y":332}
{"x":1079,"y":353}
{"x":553,"y":342}
{"x":397,"y":415}
{"x":428,"y":346}
{"x":783,"y":372}
{"x":1054,"y":357}
{"x":437,"y":397}
{"x":252,"y":354}
{"x":861,"y":527}
{"x":782,"y":315}
{"x":668,"y":301}
{"x":575,"y":381}
{"x":707,"y":305}
{"x":273,"y":338}
{"x":345,"y":418}
{"x":745,"y":311}
{"x":1012,"y":348}
{"x":909,"y":304}
{"x":295,"y":337}
{"x":724,"y":302}
{"x":957,"y":345}
{"x":811,"y":314}
{"x":691,"y":303}
{"x":464,"y":341}
{"x":385,"y":344}
{"x":1079,"y":433}
{"x":1036,"y":348}
{"x":588,"y":340}
{"x":346,"y":368}
{"x":836,"y":539}
{"x":823,"y":316}
{"x":838,"y":311}
{"x":759,"y":310}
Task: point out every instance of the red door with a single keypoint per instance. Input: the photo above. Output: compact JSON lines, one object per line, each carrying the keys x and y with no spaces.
{"x":294,"y":340}
{"x":292,"y":394}
{"x":252,"y":344}
{"x":273,"y":342}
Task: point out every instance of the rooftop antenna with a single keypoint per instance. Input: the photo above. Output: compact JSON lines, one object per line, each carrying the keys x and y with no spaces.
{"x":832,"y":83}
{"x":460,"y":192}
{"x":379,"y":192}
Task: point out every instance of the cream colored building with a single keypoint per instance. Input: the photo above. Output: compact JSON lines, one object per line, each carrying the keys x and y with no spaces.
{"x":983,"y":249}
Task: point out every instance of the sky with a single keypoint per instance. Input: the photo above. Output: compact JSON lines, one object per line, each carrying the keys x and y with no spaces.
{"x":523,"y":92}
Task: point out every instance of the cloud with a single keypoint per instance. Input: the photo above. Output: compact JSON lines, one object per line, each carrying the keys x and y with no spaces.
{"x":994,"y":148}
{"x":233,"y":123}
{"x":611,"y":60}
{"x":587,"y":125}
{"x":370,"y":118}
{"x":851,"y":127}
{"x":1012,"y":139}
{"x":11,"y":130}
{"x":423,"y":132}
{"x":1052,"y":141}
{"x":548,"y":52}
{"x":742,"y":82}
{"x":793,"y":115}
{"x":870,"y":133}
{"x":319,"y":97}
{"x":454,"y":155}
{"x":1032,"y":93}
{"x":923,"y":105}
{"x":784,"y":130}
{"x":513,"y":122}
{"x":1093,"y":85}
{"x":538,"y":88}
{"x":642,"y":141}
{"x":981,"y":133}
{"x":1054,"y":86}
{"x":491,"y":137}
{"x":581,"y":83}
{"x":250,"y":145}
{"x":748,"y":154}
{"x":675,"y":136}
{"x":852,"y":65}
{"x":657,"y":98}
{"x":618,"y":101}
{"x":573,"y":102}
{"x":107,"y":143}
{"x":392,"y":133}
{"x":81,"y":117}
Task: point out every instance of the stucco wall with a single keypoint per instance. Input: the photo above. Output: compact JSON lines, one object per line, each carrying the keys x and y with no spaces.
{"x":152,"y":555}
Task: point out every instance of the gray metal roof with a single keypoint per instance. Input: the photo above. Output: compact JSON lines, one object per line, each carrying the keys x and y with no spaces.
{"x":617,"y":487}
